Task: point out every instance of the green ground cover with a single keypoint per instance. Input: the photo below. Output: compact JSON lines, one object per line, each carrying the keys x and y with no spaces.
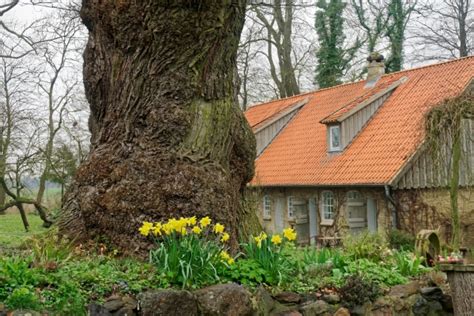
{"x":50,"y":274}
{"x":12,"y":232}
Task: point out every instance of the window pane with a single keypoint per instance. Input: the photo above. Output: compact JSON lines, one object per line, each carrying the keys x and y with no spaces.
{"x":328,"y":205}
{"x":335,"y":137}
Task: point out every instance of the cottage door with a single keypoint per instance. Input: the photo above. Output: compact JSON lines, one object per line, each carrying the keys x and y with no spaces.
{"x":356,"y":212}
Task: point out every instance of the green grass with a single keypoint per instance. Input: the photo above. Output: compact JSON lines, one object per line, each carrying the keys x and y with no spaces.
{"x":12,"y":232}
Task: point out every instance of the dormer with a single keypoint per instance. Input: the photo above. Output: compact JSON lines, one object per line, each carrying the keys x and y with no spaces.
{"x":344,"y":124}
{"x":266,"y":131}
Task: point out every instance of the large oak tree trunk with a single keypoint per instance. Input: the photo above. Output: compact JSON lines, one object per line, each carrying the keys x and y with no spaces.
{"x":168,"y":137}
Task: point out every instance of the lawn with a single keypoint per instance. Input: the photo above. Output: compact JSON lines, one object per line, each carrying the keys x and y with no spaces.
{"x":12,"y":232}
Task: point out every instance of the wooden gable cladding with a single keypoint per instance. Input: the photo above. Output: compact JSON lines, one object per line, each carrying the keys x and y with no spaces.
{"x":422,"y":172}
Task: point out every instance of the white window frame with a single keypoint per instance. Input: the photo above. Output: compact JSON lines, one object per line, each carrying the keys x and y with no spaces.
{"x":327,"y":220}
{"x":290,"y":207}
{"x":331,"y":129}
{"x":267,"y":207}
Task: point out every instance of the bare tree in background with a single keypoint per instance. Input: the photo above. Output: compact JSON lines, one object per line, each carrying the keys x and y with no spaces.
{"x":17,"y":137}
{"x":276,"y":52}
{"x":57,"y":89}
{"x":446,"y":29}
{"x":278,"y":22}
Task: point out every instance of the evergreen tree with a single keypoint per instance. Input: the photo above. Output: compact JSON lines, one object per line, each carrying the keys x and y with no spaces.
{"x":331,"y":54}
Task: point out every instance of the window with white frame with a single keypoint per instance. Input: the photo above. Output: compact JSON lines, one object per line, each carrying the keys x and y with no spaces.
{"x":327,"y":206}
{"x":267,"y":207}
{"x":334,"y":138}
{"x":291,"y":209}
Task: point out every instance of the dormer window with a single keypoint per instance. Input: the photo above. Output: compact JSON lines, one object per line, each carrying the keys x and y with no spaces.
{"x":335,"y":138}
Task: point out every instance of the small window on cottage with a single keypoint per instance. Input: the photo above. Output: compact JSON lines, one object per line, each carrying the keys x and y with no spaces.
{"x":334,"y":138}
{"x":267,"y":207}
{"x":328,"y":206}
{"x":291,"y":209}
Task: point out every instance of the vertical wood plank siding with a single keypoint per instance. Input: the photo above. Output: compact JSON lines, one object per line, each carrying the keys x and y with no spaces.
{"x":352,"y":125}
{"x":422,"y":172}
{"x":265,"y":136}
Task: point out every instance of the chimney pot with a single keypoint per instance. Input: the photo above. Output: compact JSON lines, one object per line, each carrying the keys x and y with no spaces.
{"x":375,"y":69}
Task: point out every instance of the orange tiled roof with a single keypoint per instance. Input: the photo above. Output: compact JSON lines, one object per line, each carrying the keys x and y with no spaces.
{"x":298,"y":154}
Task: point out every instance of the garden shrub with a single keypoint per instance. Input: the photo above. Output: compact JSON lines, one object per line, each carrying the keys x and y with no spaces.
{"x":358,"y":290}
{"x":380,"y":272}
{"x":401,"y":240}
{"x":409,"y":264}
{"x":366,"y":245}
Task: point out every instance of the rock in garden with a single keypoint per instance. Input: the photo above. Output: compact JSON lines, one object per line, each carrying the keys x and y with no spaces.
{"x":263,"y":302}
{"x":342,"y":312}
{"x":319,"y":307}
{"x":405,"y":290}
{"x":288,"y":298}
{"x":224,"y":299}
{"x":95,"y":309}
{"x":24,"y":313}
{"x":168,"y":303}
{"x":332,"y":298}
{"x":113,"y":304}
{"x":287,"y":313}
{"x":420,"y":307}
{"x":433,"y":293}
{"x":447,"y":303}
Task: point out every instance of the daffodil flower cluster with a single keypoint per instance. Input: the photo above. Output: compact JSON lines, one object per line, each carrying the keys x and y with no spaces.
{"x":288,"y":234}
{"x":184,"y":226}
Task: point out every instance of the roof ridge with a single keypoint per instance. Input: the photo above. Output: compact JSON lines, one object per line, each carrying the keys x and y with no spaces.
{"x":359,"y":81}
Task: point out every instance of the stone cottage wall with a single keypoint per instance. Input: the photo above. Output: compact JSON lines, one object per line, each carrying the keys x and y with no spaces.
{"x":340,"y":224}
{"x":431,"y":209}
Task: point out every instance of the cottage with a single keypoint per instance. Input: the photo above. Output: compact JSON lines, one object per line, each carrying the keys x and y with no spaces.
{"x":353,"y":157}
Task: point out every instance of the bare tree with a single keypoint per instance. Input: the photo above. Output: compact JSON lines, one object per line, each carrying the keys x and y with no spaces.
{"x":57,"y":89}
{"x":278,"y":22}
{"x":446,"y":29}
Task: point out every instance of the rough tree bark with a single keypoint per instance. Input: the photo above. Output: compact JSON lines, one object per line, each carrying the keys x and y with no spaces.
{"x":168,"y":137}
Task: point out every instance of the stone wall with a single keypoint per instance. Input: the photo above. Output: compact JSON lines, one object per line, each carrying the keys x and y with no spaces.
{"x":430,"y":209}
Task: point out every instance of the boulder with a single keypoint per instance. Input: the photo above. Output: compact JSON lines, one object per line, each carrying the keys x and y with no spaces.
{"x":421,"y":307}
{"x":113,"y":303}
{"x":342,"y":312}
{"x":24,"y":313}
{"x":168,"y":302}
{"x":447,"y":303}
{"x":288,"y":298}
{"x":405,"y":290}
{"x":263,"y":302}
{"x":95,"y":309}
{"x":432,"y":293}
{"x":332,"y":298}
{"x":318,"y":307}
{"x":435,"y":308}
{"x":224,"y":299}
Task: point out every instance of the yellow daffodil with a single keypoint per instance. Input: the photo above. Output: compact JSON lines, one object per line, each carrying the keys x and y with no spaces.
{"x":289,"y":233}
{"x":226,"y":257}
{"x":218,"y":228}
{"x":191,"y":221}
{"x":157,"y":229}
{"x":146,"y":228}
{"x":225,"y":237}
{"x":197,"y":230}
{"x":276,"y":239}
{"x":205,"y":221}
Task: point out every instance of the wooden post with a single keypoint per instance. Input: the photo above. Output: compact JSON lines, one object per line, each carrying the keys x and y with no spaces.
{"x":461,"y":282}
